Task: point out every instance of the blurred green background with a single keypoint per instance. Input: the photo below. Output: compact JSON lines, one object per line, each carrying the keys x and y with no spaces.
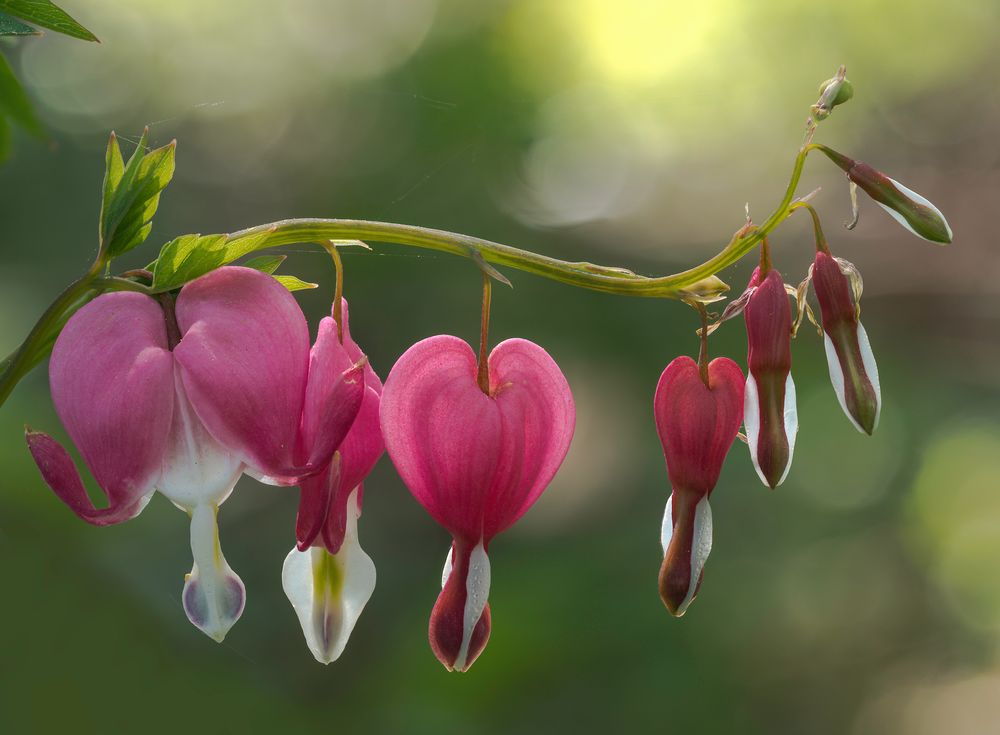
{"x":860,"y":597}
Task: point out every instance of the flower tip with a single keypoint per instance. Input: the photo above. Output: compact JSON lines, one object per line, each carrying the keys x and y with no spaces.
{"x":460,"y":622}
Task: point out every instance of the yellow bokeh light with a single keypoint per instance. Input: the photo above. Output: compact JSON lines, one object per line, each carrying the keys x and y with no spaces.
{"x":641,"y":42}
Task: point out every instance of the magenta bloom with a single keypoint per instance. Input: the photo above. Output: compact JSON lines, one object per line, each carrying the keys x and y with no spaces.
{"x":476,"y":462}
{"x":853,"y":371}
{"x":182,"y":398}
{"x":770,"y":416}
{"x":328,"y":577}
{"x":697,"y":424}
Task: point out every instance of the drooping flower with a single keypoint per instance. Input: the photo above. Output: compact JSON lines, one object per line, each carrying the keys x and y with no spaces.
{"x":770,"y":415}
{"x":853,"y":371}
{"x":182,"y":398}
{"x":328,"y":577}
{"x":697,"y":424}
{"x":475,"y":461}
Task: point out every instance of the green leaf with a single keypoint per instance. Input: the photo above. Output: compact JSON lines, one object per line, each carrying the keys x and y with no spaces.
{"x":13,"y":27}
{"x":131,"y":194}
{"x":114,"y":167}
{"x":186,"y":257}
{"x":266,"y":263}
{"x":14,"y":102}
{"x":294,"y":284}
{"x":47,"y":15}
{"x":4,"y":139}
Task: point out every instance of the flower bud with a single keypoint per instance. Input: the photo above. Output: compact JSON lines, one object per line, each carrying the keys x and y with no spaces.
{"x":770,"y":415}
{"x":853,"y":372}
{"x":910,"y":209}
{"x":832,"y":92}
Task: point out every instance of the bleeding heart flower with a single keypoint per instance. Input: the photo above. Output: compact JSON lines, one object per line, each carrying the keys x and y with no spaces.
{"x":475,"y":461}
{"x":770,"y":415}
{"x":697,"y":424}
{"x":328,"y":577}
{"x":853,"y":371}
{"x":182,"y":398}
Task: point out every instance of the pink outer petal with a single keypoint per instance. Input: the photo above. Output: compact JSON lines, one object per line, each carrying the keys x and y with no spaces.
{"x":442,"y":432}
{"x":697,"y":425}
{"x":111,"y":380}
{"x":322,"y":516}
{"x":355,"y":353}
{"x":538,"y":416}
{"x":334,"y":394}
{"x":244,"y":356}
{"x":60,"y":474}
{"x":476,"y":462}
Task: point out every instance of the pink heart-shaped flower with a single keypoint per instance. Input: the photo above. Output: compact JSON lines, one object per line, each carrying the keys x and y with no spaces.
{"x":476,"y":462}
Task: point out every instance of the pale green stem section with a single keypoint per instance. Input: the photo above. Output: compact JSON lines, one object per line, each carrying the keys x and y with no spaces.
{"x":689,"y":284}
{"x":608,"y":279}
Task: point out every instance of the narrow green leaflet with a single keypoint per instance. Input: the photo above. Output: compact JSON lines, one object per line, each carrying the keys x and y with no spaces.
{"x":13,"y":27}
{"x":266,"y":263}
{"x":14,"y":103}
{"x":114,"y":167}
{"x":294,"y":284}
{"x":270,"y":263}
{"x":47,"y":15}
{"x":131,"y":195}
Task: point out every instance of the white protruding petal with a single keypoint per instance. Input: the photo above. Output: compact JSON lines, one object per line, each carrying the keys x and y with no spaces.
{"x":477,"y":591}
{"x":791,"y":416}
{"x":667,"y":531}
{"x":871,"y":369}
{"x":197,"y":470}
{"x":213,"y":594}
{"x":329,"y":591}
{"x":448,"y":564}
{"x":837,"y":374}
{"x":912,"y":195}
{"x":751,"y":421}
{"x":701,"y":546}
{"x":837,"y":378}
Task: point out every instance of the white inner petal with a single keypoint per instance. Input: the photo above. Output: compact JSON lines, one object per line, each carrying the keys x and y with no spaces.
{"x":477,"y":590}
{"x":448,"y":564}
{"x":837,"y":378}
{"x":920,"y":200}
{"x":329,"y":592}
{"x":871,"y":369}
{"x":751,"y":422}
{"x":213,"y":593}
{"x":667,"y":531}
{"x":701,"y":546}
{"x":196,"y":468}
{"x":791,"y":415}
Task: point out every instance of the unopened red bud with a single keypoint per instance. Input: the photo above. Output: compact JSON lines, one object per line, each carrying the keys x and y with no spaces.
{"x":853,"y":371}
{"x":770,"y":414}
{"x":906,"y":206}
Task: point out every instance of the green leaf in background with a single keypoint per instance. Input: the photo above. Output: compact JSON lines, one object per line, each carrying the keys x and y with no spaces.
{"x":47,"y":15}
{"x":14,"y":103}
{"x":293,"y":283}
{"x":13,"y":27}
{"x":132,"y":193}
{"x":4,"y":138}
{"x":266,"y":263}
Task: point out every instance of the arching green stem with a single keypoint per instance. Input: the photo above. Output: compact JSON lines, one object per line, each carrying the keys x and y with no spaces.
{"x":698,"y":283}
